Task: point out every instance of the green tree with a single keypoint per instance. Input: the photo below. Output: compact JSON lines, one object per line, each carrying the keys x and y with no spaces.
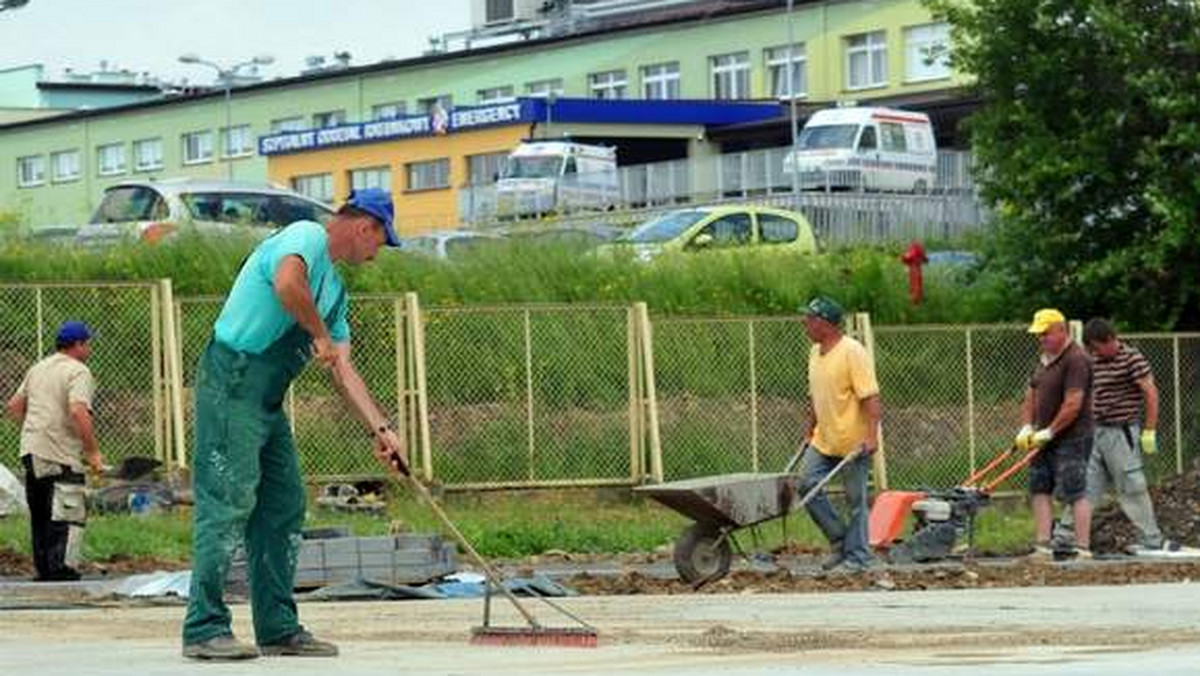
{"x":1088,"y":145}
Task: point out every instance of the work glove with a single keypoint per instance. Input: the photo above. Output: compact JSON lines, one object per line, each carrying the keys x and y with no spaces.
{"x":1041,"y":437}
{"x":1023,"y":437}
{"x":1149,"y":442}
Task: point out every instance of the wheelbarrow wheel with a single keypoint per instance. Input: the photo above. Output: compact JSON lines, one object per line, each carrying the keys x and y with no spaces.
{"x":702,"y":554}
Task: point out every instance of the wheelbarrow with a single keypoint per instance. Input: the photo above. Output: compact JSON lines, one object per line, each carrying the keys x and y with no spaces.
{"x":720,"y":505}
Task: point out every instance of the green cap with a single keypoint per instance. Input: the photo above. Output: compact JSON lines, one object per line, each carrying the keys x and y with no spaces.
{"x":824,"y":308}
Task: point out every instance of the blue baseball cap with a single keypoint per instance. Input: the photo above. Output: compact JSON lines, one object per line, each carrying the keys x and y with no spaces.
{"x":378,"y":203}
{"x":823,"y":307}
{"x":73,"y":331}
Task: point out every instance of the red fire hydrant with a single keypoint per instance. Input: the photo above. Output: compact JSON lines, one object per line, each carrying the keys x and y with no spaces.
{"x":914,"y":257}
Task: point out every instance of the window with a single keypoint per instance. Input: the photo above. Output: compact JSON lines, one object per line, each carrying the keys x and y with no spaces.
{"x":130,"y":203}
{"x":545,"y":87}
{"x":783,"y":85}
{"x":64,"y":166}
{"x":316,"y":186}
{"x":429,"y":175}
{"x":485,"y":169}
{"x":110,"y":159}
{"x":388,"y":111}
{"x":892,"y":136}
{"x":31,"y":170}
{"x":239,"y":141}
{"x":777,"y":229}
{"x":286,"y":124}
{"x":927,"y":52}
{"x":197,"y":147}
{"x":731,"y":230}
{"x":867,"y":140}
{"x":494,"y":94}
{"x":372,"y":177}
{"x":661,"y":81}
{"x":866,"y":60}
{"x":426,"y":106}
{"x":731,"y":76}
{"x":610,"y":84}
{"x":498,"y":10}
{"x":147,"y":154}
{"x":329,"y":118}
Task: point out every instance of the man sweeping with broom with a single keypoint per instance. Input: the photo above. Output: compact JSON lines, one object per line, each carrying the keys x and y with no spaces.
{"x":288,"y":303}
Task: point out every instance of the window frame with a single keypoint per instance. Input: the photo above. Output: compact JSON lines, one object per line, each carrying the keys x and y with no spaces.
{"x":55,"y":177}
{"x":410,"y":167}
{"x":554,"y":87}
{"x":299,"y":185}
{"x":400,"y":109}
{"x":36,"y":160}
{"x":491,"y":95}
{"x":373,"y":171}
{"x":940,"y":68}
{"x":874,"y":43}
{"x":137,"y":144}
{"x":737,"y":67}
{"x":101,"y":150}
{"x":339,"y":114}
{"x":615,"y":81}
{"x":287,"y":125}
{"x":668,"y":80}
{"x":245,"y":151}
{"x":787,"y":69}
{"x":201,"y":134}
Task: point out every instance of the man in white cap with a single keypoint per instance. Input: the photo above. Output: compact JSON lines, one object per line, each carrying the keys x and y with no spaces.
{"x":1056,"y":418}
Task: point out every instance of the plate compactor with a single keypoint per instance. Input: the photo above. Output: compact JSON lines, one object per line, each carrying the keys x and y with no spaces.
{"x":941,"y":518}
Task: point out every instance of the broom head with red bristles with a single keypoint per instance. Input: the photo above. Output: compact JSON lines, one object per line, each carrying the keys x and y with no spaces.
{"x":556,"y":637}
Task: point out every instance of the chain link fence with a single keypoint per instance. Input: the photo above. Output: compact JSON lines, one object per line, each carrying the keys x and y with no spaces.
{"x":129,"y":405}
{"x":558,"y":395}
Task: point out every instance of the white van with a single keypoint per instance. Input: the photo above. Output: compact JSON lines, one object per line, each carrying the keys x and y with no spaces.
{"x":865,"y":148}
{"x":557,"y":176}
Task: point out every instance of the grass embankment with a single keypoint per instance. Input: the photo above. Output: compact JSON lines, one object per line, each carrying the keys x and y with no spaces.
{"x":501,"y":525}
{"x":710,"y":283}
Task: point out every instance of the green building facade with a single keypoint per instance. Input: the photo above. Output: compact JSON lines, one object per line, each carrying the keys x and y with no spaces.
{"x":52,"y":171}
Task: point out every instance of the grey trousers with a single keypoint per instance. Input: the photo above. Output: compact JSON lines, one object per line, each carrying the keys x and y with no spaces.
{"x":1117,"y":461}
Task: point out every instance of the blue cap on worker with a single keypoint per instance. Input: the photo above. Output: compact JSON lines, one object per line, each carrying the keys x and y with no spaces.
{"x":825,"y":308}
{"x":73,"y":331}
{"x":378,"y":203}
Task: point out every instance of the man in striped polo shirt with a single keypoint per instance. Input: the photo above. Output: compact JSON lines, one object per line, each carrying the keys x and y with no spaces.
{"x":1123,"y":383}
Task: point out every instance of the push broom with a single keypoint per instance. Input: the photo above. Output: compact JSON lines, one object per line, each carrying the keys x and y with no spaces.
{"x":534,"y":633}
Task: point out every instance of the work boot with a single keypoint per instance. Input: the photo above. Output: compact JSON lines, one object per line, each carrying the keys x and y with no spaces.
{"x":1041,"y":554}
{"x":222,"y":648}
{"x":836,"y":556}
{"x":300,"y":644}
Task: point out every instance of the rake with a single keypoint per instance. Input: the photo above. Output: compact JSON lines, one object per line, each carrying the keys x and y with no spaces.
{"x":534,"y":634}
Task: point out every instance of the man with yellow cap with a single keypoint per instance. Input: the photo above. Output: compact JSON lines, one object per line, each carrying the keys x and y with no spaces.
{"x":1056,"y":418}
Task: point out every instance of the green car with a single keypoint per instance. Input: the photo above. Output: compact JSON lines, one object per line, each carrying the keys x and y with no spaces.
{"x":725,"y":227}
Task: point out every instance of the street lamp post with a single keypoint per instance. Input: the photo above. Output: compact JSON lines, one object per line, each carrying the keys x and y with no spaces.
{"x":791,"y":90}
{"x":226,"y":75}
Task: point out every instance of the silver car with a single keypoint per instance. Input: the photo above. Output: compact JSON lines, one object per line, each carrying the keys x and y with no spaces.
{"x":150,"y":211}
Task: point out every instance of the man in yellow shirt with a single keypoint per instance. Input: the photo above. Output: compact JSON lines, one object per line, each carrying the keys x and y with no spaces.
{"x":843,"y":416}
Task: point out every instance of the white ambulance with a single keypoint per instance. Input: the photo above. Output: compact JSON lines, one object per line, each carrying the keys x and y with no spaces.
{"x":865,"y":148}
{"x":541,"y":177}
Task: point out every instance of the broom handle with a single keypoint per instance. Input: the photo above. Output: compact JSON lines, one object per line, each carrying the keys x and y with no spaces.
{"x":492,"y":577}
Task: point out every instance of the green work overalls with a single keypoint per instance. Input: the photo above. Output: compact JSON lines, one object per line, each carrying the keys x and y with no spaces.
{"x":247,"y":485}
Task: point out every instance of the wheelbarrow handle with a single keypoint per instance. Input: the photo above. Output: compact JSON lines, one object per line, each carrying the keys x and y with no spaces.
{"x":797,"y":456}
{"x":812,"y":492}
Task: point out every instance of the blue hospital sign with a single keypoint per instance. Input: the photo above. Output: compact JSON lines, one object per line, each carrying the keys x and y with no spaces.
{"x":461,"y":119}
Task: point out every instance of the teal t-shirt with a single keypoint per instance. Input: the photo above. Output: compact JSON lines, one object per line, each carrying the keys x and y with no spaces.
{"x":253,"y":318}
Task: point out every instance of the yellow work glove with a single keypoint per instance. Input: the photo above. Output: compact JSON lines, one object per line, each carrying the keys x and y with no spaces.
{"x":1149,"y":442}
{"x":1023,"y":437}
{"x":1040,"y":438}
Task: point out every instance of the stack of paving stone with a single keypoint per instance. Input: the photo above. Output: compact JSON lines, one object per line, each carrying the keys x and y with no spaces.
{"x":402,"y":559}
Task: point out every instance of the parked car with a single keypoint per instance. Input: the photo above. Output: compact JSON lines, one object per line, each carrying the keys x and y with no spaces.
{"x":583,"y":236}
{"x":724,"y":227}
{"x":152,"y":210}
{"x":449,"y":244}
